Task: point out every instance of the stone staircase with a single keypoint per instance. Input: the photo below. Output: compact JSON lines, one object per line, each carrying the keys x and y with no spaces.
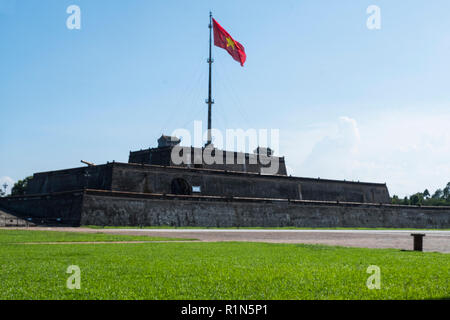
{"x":9,"y":219}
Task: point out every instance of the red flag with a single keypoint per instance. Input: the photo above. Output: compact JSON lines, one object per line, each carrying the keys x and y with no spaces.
{"x":223,"y":40}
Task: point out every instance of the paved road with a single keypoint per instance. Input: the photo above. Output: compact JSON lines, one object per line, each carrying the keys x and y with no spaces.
{"x":398,"y":239}
{"x":432,"y":232}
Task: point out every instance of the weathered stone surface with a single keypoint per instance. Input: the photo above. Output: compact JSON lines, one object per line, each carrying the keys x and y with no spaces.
{"x":93,"y":177}
{"x":11,"y":220}
{"x":114,"y":208}
{"x":158,"y":179}
{"x":155,"y":192}
{"x":249,"y":163}
{"x":62,"y":208}
{"x":120,"y":209}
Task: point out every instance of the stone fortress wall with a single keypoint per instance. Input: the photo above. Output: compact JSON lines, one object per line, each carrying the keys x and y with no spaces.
{"x":151,"y":191}
{"x":239,"y":161}
{"x":113,"y":208}
{"x":158,"y":179}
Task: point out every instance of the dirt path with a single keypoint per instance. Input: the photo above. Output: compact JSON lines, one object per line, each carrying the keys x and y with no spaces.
{"x":398,"y":239}
{"x":103,"y":242}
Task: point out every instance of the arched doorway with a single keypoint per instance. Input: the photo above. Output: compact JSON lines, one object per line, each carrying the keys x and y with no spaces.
{"x":181,"y":186}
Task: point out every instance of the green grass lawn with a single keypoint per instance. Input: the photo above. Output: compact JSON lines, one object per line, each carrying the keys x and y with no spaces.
{"x":24,"y":236}
{"x":215,"y":271}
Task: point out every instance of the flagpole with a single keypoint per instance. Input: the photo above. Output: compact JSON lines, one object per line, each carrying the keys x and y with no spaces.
{"x":210,"y":102}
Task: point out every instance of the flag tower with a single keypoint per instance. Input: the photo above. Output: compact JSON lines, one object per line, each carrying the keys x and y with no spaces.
{"x":222,"y":39}
{"x":210,"y":101}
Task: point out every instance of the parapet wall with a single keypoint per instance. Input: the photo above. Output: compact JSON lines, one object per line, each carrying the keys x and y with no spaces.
{"x":240,"y":162}
{"x":94,"y":177}
{"x":112,"y":208}
{"x":158,"y":179}
{"x":64,"y":208}
{"x":333,"y":190}
{"x":155,"y":179}
{"x":127,"y":209}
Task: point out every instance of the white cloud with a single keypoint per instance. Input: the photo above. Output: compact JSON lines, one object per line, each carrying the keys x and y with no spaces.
{"x":6,"y":180}
{"x":335,"y":154}
{"x":408,"y":152}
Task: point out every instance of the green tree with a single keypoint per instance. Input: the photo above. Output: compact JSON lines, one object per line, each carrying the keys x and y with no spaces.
{"x":416,"y":199}
{"x":395,"y":199}
{"x":446,"y":192}
{"x":441,"y":197}
{"x":20,"y":186}
{"x":438,"y":194}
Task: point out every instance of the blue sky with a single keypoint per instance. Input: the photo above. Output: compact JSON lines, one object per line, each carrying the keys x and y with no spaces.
{"x":351,"y":103}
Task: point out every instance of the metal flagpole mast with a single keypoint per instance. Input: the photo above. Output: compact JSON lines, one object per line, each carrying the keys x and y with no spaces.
{"x":210,"y":101}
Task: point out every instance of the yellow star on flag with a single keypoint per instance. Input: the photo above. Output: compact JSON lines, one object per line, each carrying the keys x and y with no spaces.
{"x":230,"y":43}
